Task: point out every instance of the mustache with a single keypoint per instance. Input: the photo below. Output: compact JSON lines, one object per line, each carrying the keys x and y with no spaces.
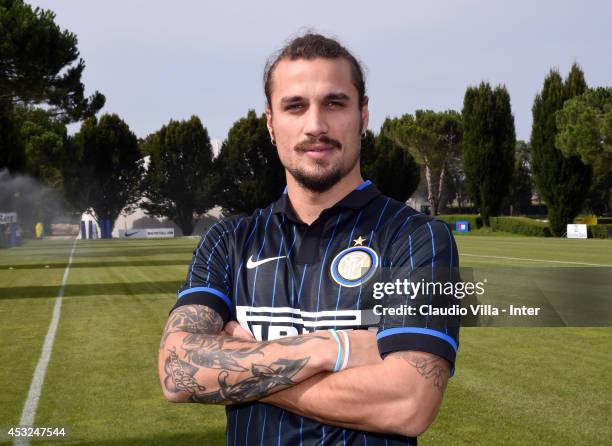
{"x":323,"y":139}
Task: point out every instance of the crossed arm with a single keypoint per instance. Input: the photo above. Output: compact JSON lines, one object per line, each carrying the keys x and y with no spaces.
{"x":400,"y":395}
{"x":199,"y":363}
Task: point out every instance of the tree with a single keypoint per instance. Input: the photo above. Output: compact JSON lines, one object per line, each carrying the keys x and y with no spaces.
{"x":177,"y":183}
{"x":38,"y":66}
{"x":393,"y":170}
{"x":455,"y":185}
{"x":521,"y":186}
{"x":585,"y":130}
{"x":434,"y":140}
{"x":12,"y":151}
{"x":563,"y":183}
{"x":38,"y":63}
{"x":103,"y":167}
{"x":368,"y":155}
{"x":248,"y":172}
{"x":44,"y":140}
{"x":488,"y":146}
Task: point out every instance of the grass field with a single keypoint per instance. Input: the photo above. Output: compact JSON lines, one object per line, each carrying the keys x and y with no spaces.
{"x":513,"y":386}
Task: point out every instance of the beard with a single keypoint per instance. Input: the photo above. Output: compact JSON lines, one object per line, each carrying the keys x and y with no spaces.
{"x":320,"y":181}
{"x":324,"y":176}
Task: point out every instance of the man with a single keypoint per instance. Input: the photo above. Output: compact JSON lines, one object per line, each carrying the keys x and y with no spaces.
{"x":254,"y":324}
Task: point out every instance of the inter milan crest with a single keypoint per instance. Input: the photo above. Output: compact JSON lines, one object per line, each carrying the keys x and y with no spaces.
{"x":355,"y":265}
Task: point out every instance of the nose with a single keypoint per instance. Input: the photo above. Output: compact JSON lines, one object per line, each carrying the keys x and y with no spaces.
{"x":316,"y":123}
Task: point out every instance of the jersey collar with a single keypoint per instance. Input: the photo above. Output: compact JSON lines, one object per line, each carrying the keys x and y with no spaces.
{"x":357,"y":199}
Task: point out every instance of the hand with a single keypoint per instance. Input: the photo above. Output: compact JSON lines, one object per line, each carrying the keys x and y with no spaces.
{"x":363,"y":348}
{"x":233,"y":328}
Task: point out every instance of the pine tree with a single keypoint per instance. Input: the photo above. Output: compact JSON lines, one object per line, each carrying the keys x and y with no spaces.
{"x":103,"y":167}
{"x":521,"y":188}
{"x":563,"y":183}
{"x":393,"y":169}
{"x":585,"y":130}
{"x":177,"y":183}
{"x":434,"y":140}
{"x":488,"y":147}
{"x":248,"y":172}
{"x":39,"y":66}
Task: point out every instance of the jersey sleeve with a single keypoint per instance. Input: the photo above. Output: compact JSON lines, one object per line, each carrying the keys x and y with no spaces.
{"x":208,"y":274}
{"x":420,"y":257}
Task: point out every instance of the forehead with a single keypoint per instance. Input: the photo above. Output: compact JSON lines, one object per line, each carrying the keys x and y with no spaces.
{"x":312,"y":78}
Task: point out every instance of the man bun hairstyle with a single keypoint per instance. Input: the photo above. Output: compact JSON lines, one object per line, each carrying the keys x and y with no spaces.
{"x":311,"y":46}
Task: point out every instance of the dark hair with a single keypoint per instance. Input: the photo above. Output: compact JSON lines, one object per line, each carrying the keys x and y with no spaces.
{"x":310,"y":46}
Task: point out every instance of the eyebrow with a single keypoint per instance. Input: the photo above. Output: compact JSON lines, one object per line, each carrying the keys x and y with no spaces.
{"x":337,"y":97}
{"x":329,"y":97}
{"x":290,"y":99}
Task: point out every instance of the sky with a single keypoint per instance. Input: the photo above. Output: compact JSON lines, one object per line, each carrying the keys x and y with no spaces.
{"x":159,"y":60}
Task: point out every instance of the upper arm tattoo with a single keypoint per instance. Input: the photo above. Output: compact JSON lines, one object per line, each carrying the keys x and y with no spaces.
{"x":428,"y":366}
{"x":197,"y":319}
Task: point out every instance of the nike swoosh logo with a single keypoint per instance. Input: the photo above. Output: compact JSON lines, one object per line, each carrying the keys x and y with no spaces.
{"x":251,"y":264}
{"x":129,"y":234}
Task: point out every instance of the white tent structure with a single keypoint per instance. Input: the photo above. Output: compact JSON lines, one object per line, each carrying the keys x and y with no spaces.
{"x":89,"y":226}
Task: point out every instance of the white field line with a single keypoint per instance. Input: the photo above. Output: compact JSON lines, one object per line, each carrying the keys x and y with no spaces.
{"x":29,"y":409}
{"x":534,"y":260}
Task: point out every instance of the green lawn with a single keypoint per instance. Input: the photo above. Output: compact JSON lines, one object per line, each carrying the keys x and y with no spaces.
{"x":512,"y":385}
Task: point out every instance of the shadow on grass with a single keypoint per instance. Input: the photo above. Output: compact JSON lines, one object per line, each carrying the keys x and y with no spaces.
{"x":107,"y":252}
{"x":62,"y":265}
{"x":130,"y":252}
{"x":209,"y":437}
{"x":92,"y":289}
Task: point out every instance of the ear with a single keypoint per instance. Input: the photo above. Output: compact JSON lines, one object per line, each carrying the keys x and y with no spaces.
{"x":268,"y":112}
{"x":365,"y":114}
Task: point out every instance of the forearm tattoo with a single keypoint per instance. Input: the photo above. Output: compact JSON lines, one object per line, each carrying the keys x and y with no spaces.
{"x":244,"y":374}
{"x":427,"y":365}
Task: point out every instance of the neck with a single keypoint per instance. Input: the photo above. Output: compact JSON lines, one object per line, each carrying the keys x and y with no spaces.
{"x":308,"y":205}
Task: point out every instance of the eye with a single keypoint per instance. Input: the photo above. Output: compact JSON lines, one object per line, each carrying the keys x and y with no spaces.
{"x":294,"y":107}
{"x":335,"y":104}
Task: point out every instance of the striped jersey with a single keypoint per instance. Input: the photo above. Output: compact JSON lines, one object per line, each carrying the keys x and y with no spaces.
{"x":278,"y":276}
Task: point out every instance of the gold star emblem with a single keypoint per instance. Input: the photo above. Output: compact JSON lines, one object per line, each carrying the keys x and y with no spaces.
{"x":359,"y":241}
